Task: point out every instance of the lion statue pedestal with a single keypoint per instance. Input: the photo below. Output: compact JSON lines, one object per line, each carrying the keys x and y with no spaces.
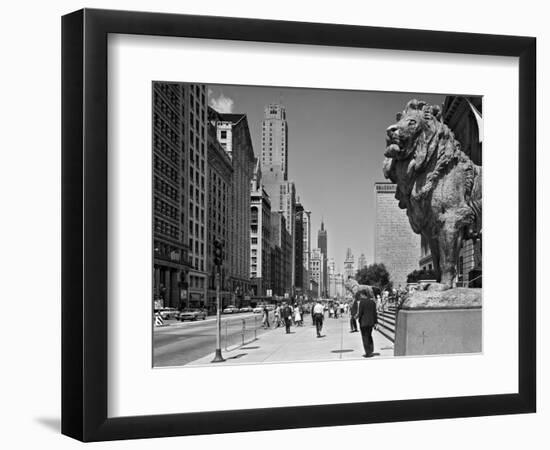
{"x":439,"y":322}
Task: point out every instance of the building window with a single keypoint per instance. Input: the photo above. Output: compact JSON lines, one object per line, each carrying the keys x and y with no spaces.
{"x":223,"y":134}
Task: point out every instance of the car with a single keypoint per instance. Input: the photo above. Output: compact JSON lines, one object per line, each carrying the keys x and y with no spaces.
{"x":245,"y":309}
{"x":230,"y":309}
{"x":168,"y":313}
{"x":192,"y":314}
{"x":258,"y":309}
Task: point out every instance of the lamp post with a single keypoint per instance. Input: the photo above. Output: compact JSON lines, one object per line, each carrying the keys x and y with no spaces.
{"x":218,"y":260}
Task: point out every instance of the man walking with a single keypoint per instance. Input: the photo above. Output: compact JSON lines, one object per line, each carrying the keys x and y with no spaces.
{"x":367,"y":318}
{"x":353,"y":316}
{"x":287,"y":316}
{"x":318,"y":314}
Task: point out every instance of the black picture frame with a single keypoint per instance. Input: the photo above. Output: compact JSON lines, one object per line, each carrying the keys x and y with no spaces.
{"x":84,"y":224}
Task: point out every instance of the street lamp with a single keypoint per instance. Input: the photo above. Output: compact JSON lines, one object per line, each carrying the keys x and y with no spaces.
{"x":218,"y":261}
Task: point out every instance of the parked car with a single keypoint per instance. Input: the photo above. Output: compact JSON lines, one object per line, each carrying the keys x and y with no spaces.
{"x":192,"y":314}
{"x":230,"y":309}
{"x":258,"y":309}
{"x":168,"y":313}
{"x":245,"y":309}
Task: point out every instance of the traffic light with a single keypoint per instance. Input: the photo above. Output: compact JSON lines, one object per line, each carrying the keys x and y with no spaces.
{"x":218,"y":252}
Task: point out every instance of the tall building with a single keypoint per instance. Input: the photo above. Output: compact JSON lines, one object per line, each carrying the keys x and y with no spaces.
{"x":339,"y":285}
{"x":300,"y":259}
{"x":306,"y":229}
{"x":395,"y":243}
{"x":220,"y":174}
{"x":274,"y":165}
{"x":322,"y":245}
{"x":361,"y":262}
{"x":349,"y":265}
{"x":179,"y":186}
{"x":234,"y":136}
{"x":316,"y":262}
{"x":331,"y":267}
{"x":274,"y":156}
{"x":260,"y":235}
{"x":281,"y":266}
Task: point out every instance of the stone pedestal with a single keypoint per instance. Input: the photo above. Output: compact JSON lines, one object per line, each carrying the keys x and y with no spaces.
{"x":439,"y":323}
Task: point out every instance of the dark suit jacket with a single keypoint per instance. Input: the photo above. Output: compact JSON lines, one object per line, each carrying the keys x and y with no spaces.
{"x":287,"y":312}
{"x":366,"y":314}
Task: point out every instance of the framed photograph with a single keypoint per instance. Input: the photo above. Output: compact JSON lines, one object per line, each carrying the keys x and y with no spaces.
{"x":273,"y":225}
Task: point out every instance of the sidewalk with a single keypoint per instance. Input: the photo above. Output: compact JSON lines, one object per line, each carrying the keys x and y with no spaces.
{"x":303,"y":345}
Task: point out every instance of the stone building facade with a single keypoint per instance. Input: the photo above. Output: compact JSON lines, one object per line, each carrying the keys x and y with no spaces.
{"x":281,"y":246}
{"x":220,"y":174}
{"x":260,"y":235}
{"x":179,"y":185}
{"x":395,"y":244}
{"x":322,"y":241}
{"x":234,"y":135}
{"x":316,"y":265}
{"x":350,"y":270}
{"x":300,"y":260}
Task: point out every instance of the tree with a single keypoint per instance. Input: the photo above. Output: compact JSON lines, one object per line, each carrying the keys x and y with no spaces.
{"x":374,"y":275}
{"x":421,"y":274}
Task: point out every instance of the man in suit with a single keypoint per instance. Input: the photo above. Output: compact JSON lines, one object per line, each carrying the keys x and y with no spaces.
{"x":367,"y":318}
{"x":287,"y":314}
{"x":353,"y":316}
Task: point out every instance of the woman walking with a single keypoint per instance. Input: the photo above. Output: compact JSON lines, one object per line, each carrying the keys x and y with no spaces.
{"x":297,"y":316}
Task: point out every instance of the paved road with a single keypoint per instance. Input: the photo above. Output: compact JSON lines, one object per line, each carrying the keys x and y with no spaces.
{"x":181,"y":343}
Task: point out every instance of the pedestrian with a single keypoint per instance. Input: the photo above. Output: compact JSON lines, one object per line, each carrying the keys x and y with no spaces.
{"x":318,"y":315}
{"x":353,"y":316}
{"x":367,"y":318}
{"x":297,"y":316}
{"x":265,"y":318}
{"x":287,"y":316}
{"x":277,"y":318}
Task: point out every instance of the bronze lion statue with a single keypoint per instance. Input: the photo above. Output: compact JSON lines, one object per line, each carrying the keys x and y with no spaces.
{"x":438,"y":184}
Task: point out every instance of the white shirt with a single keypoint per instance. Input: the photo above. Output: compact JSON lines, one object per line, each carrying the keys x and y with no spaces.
{"x":318,"y":309}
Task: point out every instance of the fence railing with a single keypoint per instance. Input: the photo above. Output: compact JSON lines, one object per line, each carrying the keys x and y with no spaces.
{"x":239,"y":331}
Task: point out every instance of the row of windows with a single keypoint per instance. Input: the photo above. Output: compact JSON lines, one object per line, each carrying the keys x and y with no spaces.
{"x":162,"y":147}
{"x":161,"y":125}
{"x":165,"y":228}
{"x":198,"y":212}
{"x":198,"y":197}
{"x":168,"y":91}
{"x":166,"y":189}
{"x":199,"y":229}
{"x":167,"y":170}
{"x":165,"y":209}
{"x":168,"y":112}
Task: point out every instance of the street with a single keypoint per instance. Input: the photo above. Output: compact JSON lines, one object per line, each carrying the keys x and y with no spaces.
{"x":179,"y":343}
{"x":194,"y":342}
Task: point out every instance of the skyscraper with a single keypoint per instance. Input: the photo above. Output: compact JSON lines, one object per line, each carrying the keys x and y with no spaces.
{"x":274,"y":155}
{"x":234,"y":136}
{"x":274,"y":164}
{"x":349,"y":265}
{"x":395,"y":244}
{"x":260,"y":234}
{"x":361,"y":262}
{"x":322,"y":245}
{"x":179,"y":193}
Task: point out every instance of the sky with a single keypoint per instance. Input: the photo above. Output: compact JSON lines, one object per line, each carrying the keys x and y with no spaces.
{"x":336,"y":143}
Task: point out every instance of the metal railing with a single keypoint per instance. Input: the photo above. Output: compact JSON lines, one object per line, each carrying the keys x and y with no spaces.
{"x":239,"y":331}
